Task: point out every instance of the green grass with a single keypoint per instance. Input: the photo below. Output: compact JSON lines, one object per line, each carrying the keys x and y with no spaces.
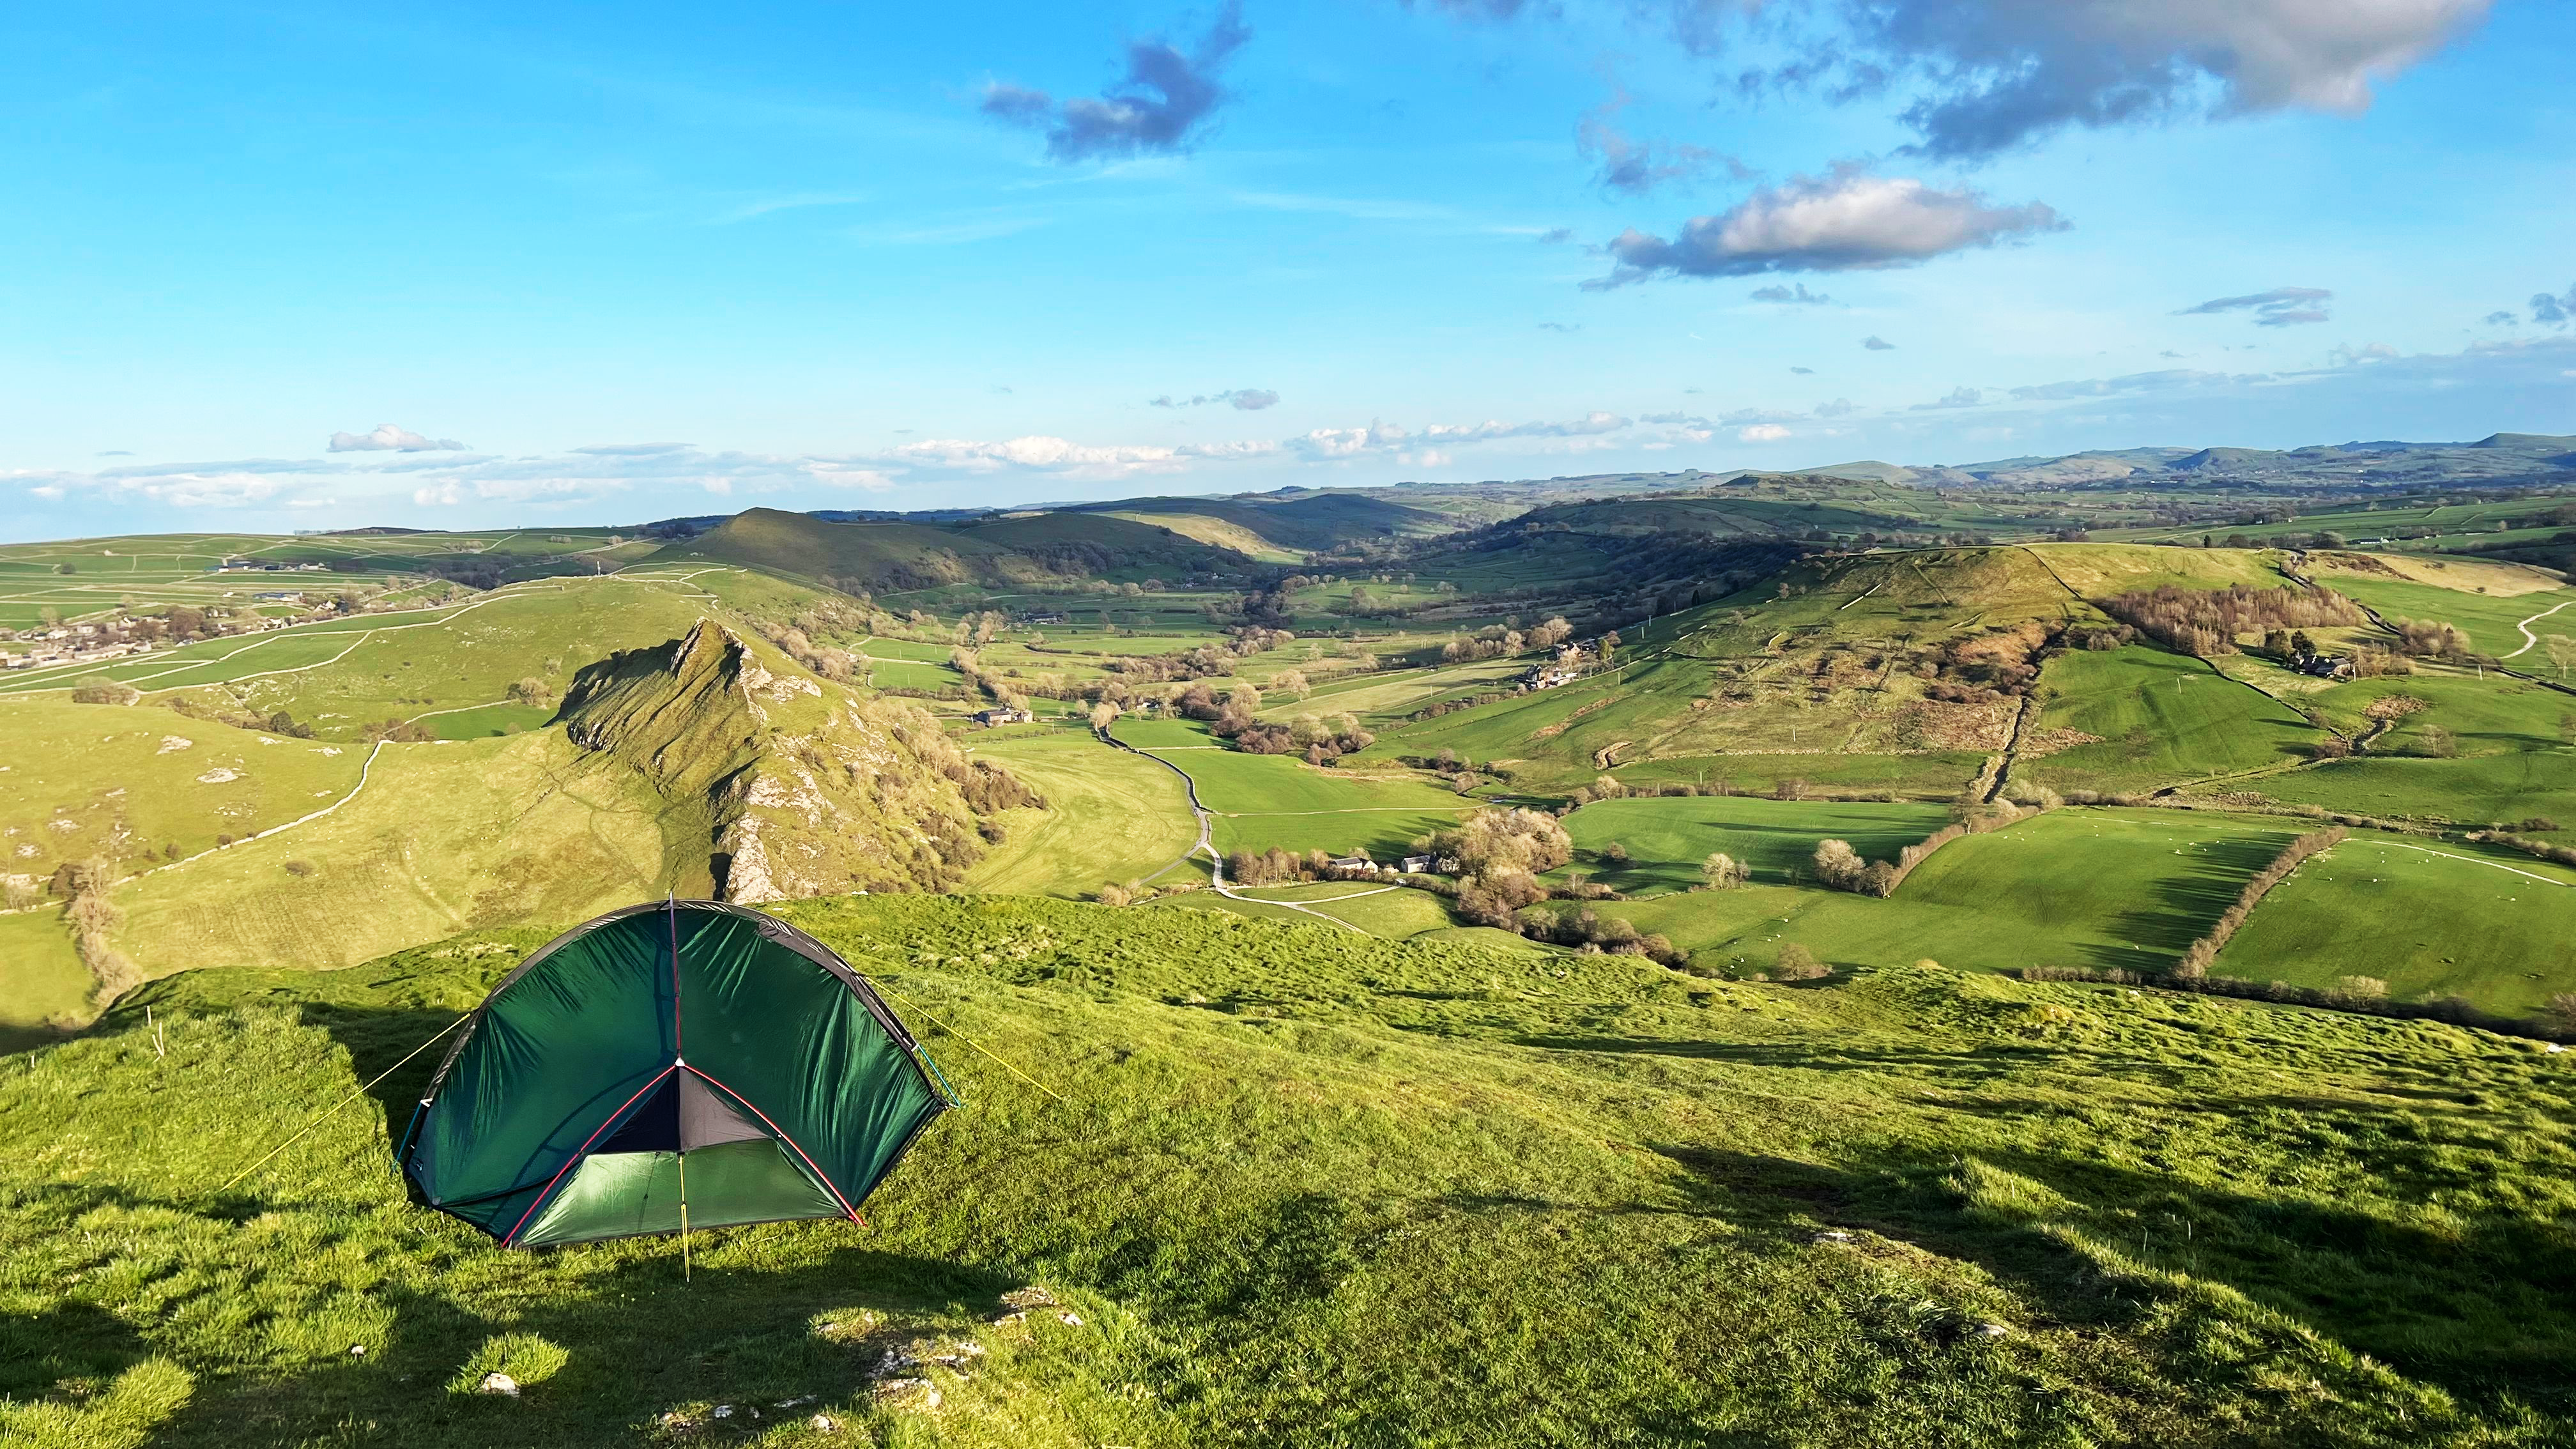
{"x":1148,"y":732}
{"x":1667,"y":839}
{"x":1933,"y":775}
{"x":1110,"y":816}
{"x":89,"y":780}
{"x":2488,"y":619}
{"x":1306,"y":1187}
{"x":1266,"y":801}
{"x":2429,"y":918}
{"x":444,"y":837}
{"x":1394,"y":912}
{"x":2484,"y":716}
{"x":43,"y":977}
{"x":1377,"y":698}
{"x":486,"y":721}
{"x":2159,"y":719}
{"x":2475,"y":791}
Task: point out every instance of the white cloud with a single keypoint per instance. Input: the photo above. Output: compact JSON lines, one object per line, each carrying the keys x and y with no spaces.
{"x":1844,"y":222}
{"x":390,"y":439}
{"x":1762,"y":433}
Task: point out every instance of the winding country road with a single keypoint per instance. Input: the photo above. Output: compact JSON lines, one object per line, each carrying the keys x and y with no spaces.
{"x":2530,"y":640}
{"x":1207,"y":821}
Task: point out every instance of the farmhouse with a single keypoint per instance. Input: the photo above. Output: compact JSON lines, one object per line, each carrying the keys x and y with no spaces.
{"x":1354,"y":862}
{"x":1001,"y":715}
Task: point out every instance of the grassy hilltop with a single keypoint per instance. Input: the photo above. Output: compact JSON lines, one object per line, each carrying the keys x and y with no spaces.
{"x":1305,"y":1187}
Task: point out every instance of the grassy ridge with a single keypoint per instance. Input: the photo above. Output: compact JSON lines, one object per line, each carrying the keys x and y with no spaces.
{"x":1308,"y":1187}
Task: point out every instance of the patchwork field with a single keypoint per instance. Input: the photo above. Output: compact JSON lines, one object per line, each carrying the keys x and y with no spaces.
{"x":2101,"y":888}
{"x":2478,"y":792}
{"x":2489,"y":619}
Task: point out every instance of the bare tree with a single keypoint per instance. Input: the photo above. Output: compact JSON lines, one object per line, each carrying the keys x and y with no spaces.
{"x":1723,"y":872}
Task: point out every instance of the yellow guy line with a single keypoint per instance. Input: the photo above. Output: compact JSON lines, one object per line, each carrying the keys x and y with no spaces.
{"x":970,"y":1041}
{"x":344,"y":1101}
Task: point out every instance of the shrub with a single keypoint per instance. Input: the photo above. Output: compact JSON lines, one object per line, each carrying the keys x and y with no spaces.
{"x":1723,"y":872}
{"x":1522,"y":840}
{"x":1113,"y":894}
{"x":1797,"y":963}
{"x":1839,"y":866}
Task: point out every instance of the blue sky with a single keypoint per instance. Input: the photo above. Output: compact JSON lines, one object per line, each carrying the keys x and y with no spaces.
{"x":583,"y":262}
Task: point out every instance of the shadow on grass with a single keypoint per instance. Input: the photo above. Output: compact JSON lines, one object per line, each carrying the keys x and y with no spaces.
{"x":643,"y":1343}
{"x":2486,"y":1310}
{"x":1992,"y":1061}
{"x":65,"y":1344}
{"x":2184,"y":905}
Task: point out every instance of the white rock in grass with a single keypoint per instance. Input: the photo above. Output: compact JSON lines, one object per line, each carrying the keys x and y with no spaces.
{"x":499,"y":1383}
{"x":825,"y":1424}
{"x":1993,"y":1330}
{"x":358,"y":1350}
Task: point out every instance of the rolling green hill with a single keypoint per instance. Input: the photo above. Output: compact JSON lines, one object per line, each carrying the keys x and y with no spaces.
{"x":1006,"y":551}
{"x":1299,"y":520}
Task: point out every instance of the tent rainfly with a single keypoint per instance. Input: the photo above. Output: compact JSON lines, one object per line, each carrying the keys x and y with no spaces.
{"x":672,"y":1065}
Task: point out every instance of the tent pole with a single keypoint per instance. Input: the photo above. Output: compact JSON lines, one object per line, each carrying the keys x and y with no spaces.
{"x":684,"y":1216}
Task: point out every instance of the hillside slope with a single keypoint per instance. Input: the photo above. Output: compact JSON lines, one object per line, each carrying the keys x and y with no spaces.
{"x":1012,"y":550}
{"x":1305,"y":1188}
{"x":1302,"y":520}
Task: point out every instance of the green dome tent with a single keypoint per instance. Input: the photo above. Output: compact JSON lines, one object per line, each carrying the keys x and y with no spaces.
{"x":672,"y":1065}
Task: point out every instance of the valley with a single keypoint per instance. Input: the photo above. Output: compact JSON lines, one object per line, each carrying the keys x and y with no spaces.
{"x":1841,"y":911}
